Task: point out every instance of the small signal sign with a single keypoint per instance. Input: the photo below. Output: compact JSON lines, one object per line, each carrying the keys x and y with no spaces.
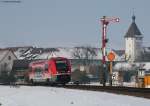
{"x":111,"y":56}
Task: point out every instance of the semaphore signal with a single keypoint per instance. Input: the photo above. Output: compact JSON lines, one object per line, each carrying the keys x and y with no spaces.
{"x":105,"y":21}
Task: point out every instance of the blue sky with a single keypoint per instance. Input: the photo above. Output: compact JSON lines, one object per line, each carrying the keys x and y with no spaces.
{"x":69,"y":23}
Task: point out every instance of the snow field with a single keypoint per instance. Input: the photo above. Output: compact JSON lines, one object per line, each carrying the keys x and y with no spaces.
{"x":50,"y":96}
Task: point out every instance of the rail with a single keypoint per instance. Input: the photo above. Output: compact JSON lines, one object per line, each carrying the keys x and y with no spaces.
{"x":138,"y":92}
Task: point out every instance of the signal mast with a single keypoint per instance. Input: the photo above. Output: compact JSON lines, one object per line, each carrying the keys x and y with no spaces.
{"x":105,"y":21}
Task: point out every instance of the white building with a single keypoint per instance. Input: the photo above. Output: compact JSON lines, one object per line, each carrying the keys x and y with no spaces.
{"x":133,"y":42}
{"x":6,"y":60}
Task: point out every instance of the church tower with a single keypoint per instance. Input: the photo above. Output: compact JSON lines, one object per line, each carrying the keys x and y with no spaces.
{"x":133,"y":42}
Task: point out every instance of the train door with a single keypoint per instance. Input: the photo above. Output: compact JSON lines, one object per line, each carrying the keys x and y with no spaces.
{"x":52,"y":70}
{"x":38,"y":74}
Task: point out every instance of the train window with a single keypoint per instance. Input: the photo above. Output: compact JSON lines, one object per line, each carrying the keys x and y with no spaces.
{"x":38,"y":69}
{"x":46,"y":67}
{"x":61,"y":65}
{"x":9,"y":57}
{"x":147,"y":72}
{"x":30,"y":69}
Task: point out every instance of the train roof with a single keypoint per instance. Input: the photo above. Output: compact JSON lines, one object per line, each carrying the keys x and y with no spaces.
{"x":21,"y":64}
{"x":24,"y":64}
{"x":38,"y":62}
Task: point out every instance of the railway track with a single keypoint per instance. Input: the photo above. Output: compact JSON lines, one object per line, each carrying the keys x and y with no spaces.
{"x":131,"y":91}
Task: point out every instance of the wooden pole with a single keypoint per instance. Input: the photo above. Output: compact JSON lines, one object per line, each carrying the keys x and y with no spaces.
{"x":111,"y":66}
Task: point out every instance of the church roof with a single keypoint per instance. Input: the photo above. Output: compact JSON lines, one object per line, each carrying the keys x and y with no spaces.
{"x":133,"y":30}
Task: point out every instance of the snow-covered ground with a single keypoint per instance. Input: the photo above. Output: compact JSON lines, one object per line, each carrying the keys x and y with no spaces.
{"x":50,"y":96}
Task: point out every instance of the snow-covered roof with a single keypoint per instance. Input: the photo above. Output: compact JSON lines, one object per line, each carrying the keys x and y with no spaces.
{"x":3,"y":53}
{"x":123,"y":66}
{"x":146,"y":66}
{"x":119,"y":52}
{"x":45,"y":53}
{"x":147,"y":49}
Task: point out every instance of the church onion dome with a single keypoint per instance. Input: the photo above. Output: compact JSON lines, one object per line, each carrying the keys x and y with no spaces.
{"x":133,"y":30}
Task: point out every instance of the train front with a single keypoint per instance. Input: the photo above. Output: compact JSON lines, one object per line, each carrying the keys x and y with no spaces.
{"x":63,"y":70}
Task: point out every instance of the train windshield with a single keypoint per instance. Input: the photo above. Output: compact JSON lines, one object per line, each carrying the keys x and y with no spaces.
{"x":38,"y":70}
{"x":61,"y":65}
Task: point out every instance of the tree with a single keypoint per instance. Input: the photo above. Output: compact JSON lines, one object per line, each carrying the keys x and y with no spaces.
{"x":4,"y":77}
{"x":85,"y":54}
{"x":80,"y":76}
{"x":94,"y":70}
{"x":11,"y":77}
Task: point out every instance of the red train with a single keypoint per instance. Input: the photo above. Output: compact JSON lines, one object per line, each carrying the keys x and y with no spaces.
{"x":55,"y":70}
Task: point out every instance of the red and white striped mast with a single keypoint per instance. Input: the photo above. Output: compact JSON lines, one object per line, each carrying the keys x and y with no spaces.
{"x":105,"y":21}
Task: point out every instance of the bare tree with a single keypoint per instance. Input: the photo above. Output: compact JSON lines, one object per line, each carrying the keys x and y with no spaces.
{"x":85,"y":54}
{"x":77,"y":53}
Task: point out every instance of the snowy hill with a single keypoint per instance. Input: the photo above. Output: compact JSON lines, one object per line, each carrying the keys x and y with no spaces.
{"x":45,"y":53}
{"x":70,"y":53}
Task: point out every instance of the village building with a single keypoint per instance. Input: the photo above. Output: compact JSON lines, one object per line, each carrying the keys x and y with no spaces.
{"x":133,"y":42}
{"x":137,"y":57}
{"x":6,"y":60}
